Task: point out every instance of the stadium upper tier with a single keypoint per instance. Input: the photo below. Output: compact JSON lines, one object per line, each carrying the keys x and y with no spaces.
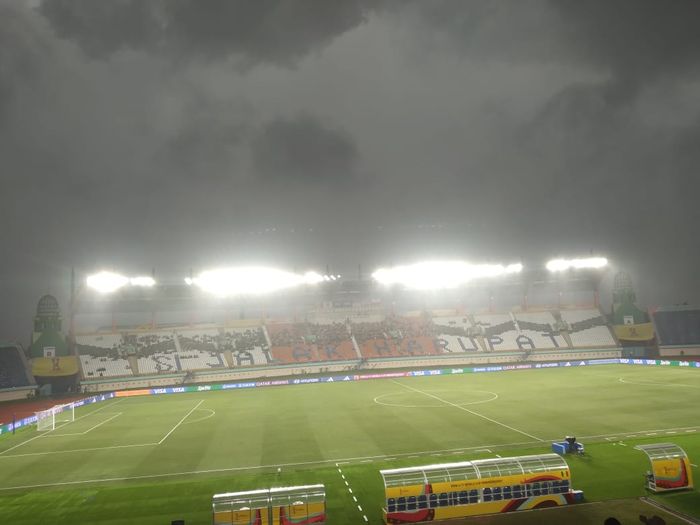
{"x":13,"y":371}
{"x":677,"y":326}
{"x":172,"y":350}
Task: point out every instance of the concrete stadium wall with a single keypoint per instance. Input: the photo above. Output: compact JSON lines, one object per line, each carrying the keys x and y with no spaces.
{"x":14,"y":394}
{"x":673,"y":351}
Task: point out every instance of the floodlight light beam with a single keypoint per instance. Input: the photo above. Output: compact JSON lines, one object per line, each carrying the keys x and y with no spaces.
{"x":437,"y":275}
{"x":561,"y":265}
{"x":106,"y":282}
{"x":252,"y":280}
{"x":146,"y":282}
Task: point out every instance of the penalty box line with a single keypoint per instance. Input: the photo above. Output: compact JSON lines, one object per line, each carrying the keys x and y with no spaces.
{"x":89,"y":429}
{"x":60,"y":426}
{"x":94,"y":448}
{"x":460,"y":407}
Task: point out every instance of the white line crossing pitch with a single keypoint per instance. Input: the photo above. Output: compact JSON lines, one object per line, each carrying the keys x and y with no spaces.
{"x":467,"y":410}
{"x":180,"y":422}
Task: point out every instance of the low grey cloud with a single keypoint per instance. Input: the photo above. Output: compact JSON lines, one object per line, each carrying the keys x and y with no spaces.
{"x":303,"y":150}
{"x":177,"y":134}
{"x":248,"y":30}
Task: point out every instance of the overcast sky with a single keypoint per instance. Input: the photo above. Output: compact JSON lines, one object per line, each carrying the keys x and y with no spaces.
{"x":188,"y":133}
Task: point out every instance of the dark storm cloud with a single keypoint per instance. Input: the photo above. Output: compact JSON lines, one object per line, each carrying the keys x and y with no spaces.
{"x":23,"y":49}
{"x":302,"y":150}
{"x":631,"y":41}
{"x":207,"y":137}
{"x":182,"y":133}
{"x":637,"y":40}
{"x":279,"y":31}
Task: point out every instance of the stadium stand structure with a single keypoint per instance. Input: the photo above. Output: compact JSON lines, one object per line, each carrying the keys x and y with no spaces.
{"x":394,"y":337}
{"x":541,"y":329}
{"x":102,"y":355}
{"x":587,"y":328}
{"x":211,"y":348}
{"x":456,"y":334}
{"x":15,"y":380}
{"x":13,"y":371}
{"x":311,"y":342}
{"x":677,"y":330}
{"x":248,"y":346}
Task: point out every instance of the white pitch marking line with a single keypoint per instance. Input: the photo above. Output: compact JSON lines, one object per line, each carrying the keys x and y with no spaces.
{"x":180,"y":422}
{"x":359,"y":508}
{"x":77,"y":450}
{"x":653,"y":383}
{"x":60,"y":426}
{"x":365,"y":517}
{"x":212,"y":413}
{"x":354,"y":499}
{"x":498,"y":455}
{"x":89,"y":429}
{"x":693,"y":465}
{"x":343,"y":461}
{"x":350,"y":490}
{"x":467,"y":410}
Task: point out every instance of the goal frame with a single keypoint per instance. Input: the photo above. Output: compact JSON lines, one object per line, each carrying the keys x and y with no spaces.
{"x":46,"y":420}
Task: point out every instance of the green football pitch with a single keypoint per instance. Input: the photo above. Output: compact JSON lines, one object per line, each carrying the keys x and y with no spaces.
{"x":159,"y":458}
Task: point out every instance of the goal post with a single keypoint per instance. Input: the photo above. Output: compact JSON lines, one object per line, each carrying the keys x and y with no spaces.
{"x":50,"y":418}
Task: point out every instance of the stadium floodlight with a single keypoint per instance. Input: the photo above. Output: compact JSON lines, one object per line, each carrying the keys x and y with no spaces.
{"x":106,"y":282}
{"x":251,"y":280}
{"x":561,"y":265}
{"x":436,"y":275}
{"x":146,"y":282}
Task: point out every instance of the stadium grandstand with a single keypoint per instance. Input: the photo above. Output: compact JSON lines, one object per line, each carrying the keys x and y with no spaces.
{"x":169,"y":333}
{"x":171,"y":339}
{"x":678,"y":330}
{"x":15,"y":380}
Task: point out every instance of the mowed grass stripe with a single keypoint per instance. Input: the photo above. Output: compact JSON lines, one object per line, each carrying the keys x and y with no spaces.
{"x":306,"y":429}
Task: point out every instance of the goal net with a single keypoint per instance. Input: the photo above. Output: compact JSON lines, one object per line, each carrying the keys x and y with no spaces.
{"x":54,"y":416}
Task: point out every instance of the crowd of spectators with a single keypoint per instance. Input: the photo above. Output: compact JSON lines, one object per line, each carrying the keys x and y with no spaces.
{"x":393,"y":328}
{"x":147,"y":344}
{"x":242,"y":341}
{"x":204,"y":342}
{"x":325,"y":334}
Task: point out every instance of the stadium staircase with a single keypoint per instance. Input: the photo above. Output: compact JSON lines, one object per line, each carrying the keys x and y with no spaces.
{"x":27,"y":368}
{"x":228,"y":357}
{"x":560,"y":323}
{"x":134,"y":363}
{"x":176,"y":340}
{"x":356,"y":347}
{"x":267,"y":336}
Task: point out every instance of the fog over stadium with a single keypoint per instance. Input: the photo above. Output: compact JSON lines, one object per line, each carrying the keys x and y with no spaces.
{"x":323,"y":135}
